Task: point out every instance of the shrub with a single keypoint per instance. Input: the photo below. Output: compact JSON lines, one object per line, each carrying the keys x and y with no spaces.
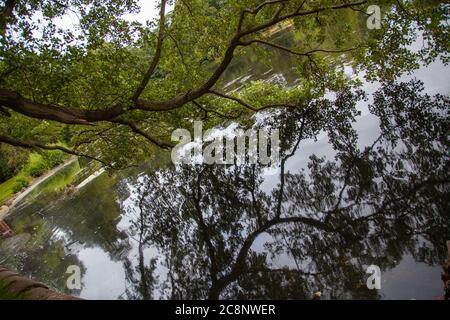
{"x":6,"y":171}
{"x":53,"y":158}
{"x":37,"y":169}
{"x":20,"y":184}
{"x":11,"y":161}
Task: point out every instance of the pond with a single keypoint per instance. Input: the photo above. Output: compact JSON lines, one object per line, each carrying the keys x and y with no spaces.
{"x":157,"y":232}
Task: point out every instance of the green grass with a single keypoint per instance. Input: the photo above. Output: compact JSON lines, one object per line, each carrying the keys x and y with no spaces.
{"x":37,"y":165}
{"x":35,"y":160}
{"x":6,"y":189}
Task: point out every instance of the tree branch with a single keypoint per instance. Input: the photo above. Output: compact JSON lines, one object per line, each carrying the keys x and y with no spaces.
{"x":157,"y":55}
{"x":239,"y":266}
{"x":306,"y":54}
{"x":196,"y":195}
{"x":7,"y":13}
{"x":137,"y":130}
{"x":29,"y":144}
{"x":248,"y":106}
{"x":299,"y":13}
{"x":13,"y":100}
{"x":221,"y":115}
{"x":16,"y":102}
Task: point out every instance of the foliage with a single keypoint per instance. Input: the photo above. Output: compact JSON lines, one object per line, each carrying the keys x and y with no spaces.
{"x":137,"y":82}
{"x":222,"y":233}
{"x":39,"y":163}
{"x":66,"y":134}
{"x":6,"y":171}
{"x":54,"y":158}
{"x":11,"y":161}
{"x":35,"y":165}
{"x":6,"y":189}
{"x":20,"y":184}
{"x":113,"y":91}
{"x":37,"y":170}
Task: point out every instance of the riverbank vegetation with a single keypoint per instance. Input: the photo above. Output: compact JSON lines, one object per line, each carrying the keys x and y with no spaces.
{"x":21,"y":175}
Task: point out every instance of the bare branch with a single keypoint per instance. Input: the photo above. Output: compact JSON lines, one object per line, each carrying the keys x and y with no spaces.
{"x":239,"y":266}
{"x":235,"y":42}
{"x":188,"y":7}
{"x":94,"y":136}
{"x":180,"y":52}
{"x":240,"y":101}
{"x":256,"y":10}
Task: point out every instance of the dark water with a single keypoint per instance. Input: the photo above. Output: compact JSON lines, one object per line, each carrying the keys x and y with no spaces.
{"x":216,"y":231}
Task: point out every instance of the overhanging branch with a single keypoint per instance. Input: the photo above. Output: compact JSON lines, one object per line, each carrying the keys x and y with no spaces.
{"x":305,"y":54}
{"x":157,"y":56}
{"x":30,"y":144}
{"x":247,"y":105}
{"x":16,"y":102}
{"x":142,"y":133}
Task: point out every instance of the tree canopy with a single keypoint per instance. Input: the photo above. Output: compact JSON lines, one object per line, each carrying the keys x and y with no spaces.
{"x":121,"y":87}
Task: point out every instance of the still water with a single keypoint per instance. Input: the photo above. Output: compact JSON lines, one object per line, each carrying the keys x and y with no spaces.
{"x":160,"y":233}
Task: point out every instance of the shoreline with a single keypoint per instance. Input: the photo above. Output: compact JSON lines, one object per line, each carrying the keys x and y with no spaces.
{"x":17,"y":197}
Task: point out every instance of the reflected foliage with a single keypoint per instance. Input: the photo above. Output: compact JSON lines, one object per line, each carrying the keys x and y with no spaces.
{"x":226,"y":232}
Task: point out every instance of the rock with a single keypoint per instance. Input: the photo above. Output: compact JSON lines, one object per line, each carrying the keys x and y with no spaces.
{"x":3,"y":212}
{"x":18,"y":284}
{"x":28,"y":288}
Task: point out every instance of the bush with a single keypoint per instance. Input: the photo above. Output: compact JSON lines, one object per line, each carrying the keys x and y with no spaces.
{"x":37,"y":169}
{"x":11,"y":161}
{"x":20,"y":184}
{"x":53,"y":158}
{"x":6,"y":171}
{"x":66,"y":134}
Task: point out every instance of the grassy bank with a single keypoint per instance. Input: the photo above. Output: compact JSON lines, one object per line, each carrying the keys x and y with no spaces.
{"x":36,"y":166}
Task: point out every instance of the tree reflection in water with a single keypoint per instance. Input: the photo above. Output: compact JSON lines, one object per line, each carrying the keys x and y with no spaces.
{"x":221,"y":235}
